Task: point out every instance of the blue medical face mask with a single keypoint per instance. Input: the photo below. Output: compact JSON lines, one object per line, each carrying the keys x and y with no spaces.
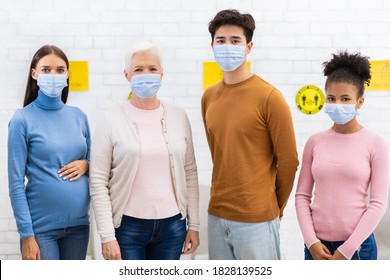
{"x":52,"y":84}
{"x":229,"y":57}
{"x":145,"y":85}
{"x":340,"y":113}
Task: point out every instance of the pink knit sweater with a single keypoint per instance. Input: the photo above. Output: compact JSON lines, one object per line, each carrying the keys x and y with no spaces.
{"x":338,"y":172}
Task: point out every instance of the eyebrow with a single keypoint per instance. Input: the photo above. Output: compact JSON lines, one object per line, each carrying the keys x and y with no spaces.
{"x":141,"y":66}
{"x":47,"y":66}
{"x":231,"y":37}
{"x":344,"y":95}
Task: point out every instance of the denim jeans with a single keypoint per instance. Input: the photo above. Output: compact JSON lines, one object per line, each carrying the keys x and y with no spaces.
{"x":143,"y":239}
{"x":366,"y":251}
{"x":64,"y":244}
{"x":230,"y":240}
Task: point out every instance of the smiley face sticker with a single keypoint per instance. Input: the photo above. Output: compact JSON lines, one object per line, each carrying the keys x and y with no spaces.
{"x":310,"y":99}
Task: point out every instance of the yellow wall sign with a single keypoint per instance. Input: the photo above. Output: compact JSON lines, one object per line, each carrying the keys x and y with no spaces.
{"x":78,"y":79}
{"x":380,"y":75}
{"x":212,"y":73}
{"x":310,"y":99}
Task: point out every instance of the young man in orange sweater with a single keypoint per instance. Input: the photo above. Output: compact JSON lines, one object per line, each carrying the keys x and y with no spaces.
{"x":251,"y":138}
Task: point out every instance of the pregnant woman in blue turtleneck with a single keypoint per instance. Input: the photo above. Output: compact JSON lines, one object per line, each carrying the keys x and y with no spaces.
{"x":48,"y":145}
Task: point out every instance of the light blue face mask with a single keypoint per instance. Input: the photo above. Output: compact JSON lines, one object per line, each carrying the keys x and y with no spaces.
{"x":229,"y":57}
{"x":145,"y":85}
{"x":340,"y":113}
{"x":52,"y":84}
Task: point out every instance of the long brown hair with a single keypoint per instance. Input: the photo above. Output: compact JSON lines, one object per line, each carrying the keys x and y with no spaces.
{"x":32,"y":87}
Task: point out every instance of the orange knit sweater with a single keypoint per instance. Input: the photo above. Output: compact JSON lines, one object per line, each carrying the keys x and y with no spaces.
{"x":251,"y":138}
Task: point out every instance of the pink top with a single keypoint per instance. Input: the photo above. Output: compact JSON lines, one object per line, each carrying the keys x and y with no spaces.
{"x":152,"y":195}
{"x":340,"y":168}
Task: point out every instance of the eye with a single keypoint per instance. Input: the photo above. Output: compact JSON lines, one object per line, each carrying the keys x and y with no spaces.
{"x":138,"y":70}
{"x":219,"y":41}
{"x":61,"y":71}
{"x":345,"y":99}
{"x":153,"y":69}
{"x":45,"y":70}
{"x":330,"y":98}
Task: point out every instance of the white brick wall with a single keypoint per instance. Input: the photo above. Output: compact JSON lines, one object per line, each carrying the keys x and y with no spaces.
{"x":292,"y":39}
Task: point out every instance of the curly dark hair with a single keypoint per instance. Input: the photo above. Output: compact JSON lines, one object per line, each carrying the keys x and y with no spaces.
{"x":348,"y":68}
{"x":233,"y":17}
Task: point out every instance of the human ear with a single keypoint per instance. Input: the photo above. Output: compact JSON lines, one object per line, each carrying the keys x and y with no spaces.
{"x":249,"y":46}
{"x":360,"y":102}
{"x":127,"y":75}
{"x":34,"y":74}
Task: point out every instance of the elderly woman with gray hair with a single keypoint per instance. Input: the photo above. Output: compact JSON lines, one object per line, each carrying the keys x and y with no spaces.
{"x":143,"y":174}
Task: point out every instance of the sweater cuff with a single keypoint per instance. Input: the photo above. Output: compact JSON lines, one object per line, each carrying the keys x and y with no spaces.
{"x":346,"y":250}
{"x":193,"y":227}
{"x":26,"y":232}
{"x":312,"y":243}
{"x":107,"y":238}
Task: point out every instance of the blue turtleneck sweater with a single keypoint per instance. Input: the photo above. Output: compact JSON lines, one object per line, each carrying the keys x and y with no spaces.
{"x":42,"y":137}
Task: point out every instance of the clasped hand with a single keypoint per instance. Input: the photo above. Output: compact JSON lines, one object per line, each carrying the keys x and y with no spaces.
{"x":320,"y":252}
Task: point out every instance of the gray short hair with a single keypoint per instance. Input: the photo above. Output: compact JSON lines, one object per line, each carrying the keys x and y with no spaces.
{"x":142,"y":47}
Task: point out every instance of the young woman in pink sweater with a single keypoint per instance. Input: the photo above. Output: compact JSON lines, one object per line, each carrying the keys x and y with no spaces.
{"x":344,"y":180}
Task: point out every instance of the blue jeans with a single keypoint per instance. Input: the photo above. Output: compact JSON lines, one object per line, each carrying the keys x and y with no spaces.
{"x":366,"y":251}
{"x":64,"y":244}
{"x":230,"y":240}
{"x":143,"y":239}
